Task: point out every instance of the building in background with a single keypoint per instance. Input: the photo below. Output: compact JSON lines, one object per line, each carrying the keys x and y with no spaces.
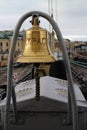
{"x":74,"y":48}
{"x":5,"y":42}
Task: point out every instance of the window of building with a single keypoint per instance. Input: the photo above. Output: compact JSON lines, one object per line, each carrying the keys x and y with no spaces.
{"x":18,"y":49}
{"x":7,"y":50}
{"x":0,"y":43}
{"x":2,"y":58}
{"x":6,"y":43}
{"x":1,"y":50}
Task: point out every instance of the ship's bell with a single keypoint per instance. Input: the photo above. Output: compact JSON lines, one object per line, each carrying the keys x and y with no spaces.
{"x":36,"y":48}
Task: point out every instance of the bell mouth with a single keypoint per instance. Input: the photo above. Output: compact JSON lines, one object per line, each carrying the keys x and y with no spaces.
{"x":25,"y":59}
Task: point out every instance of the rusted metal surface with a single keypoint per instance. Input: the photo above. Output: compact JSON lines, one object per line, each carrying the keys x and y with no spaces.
{"x":81,"y":70}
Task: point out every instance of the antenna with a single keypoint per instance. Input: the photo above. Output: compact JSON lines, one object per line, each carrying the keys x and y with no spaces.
{"x":56,"y":10}
{"x":50,"y":11}
{"x":52,"y":8}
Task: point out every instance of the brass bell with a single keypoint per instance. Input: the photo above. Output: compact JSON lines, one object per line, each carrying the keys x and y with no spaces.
{"x":36,"y":48}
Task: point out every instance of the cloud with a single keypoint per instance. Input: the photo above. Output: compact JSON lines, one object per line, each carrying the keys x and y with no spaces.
{"x":12,"y":10}
{"x":73,"y":8}
{"x":71,"y":14}
{"x":76,"y":37}
{"x":72,"y":17}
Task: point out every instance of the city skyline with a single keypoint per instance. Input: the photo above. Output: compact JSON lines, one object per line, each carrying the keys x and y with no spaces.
{"x":71,"y":15}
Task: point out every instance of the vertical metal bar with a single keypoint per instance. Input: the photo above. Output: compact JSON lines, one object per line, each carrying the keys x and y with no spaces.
{"x":14,"y":101}
{"x":37,"y":78}
{"x":2,"y":119}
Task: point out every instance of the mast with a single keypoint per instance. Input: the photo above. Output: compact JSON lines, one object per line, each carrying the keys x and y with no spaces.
{"x":50,"y":11}
{"x":56,"y":10}
{"x":52,"y":8}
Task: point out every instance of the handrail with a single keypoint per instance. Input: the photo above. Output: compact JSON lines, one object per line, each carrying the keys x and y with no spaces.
{"x":66,"y":62}
{"x":80,"y":64}
{"x":5,"y":68}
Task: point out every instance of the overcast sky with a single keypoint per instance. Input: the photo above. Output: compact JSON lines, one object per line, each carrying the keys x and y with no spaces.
{"x":71,"y":14}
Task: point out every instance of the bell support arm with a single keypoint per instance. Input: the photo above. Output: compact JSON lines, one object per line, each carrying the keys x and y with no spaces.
{"x":66,"y":62}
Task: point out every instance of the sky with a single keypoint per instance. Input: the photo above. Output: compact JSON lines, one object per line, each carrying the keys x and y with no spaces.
{"x":70,"y":15}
